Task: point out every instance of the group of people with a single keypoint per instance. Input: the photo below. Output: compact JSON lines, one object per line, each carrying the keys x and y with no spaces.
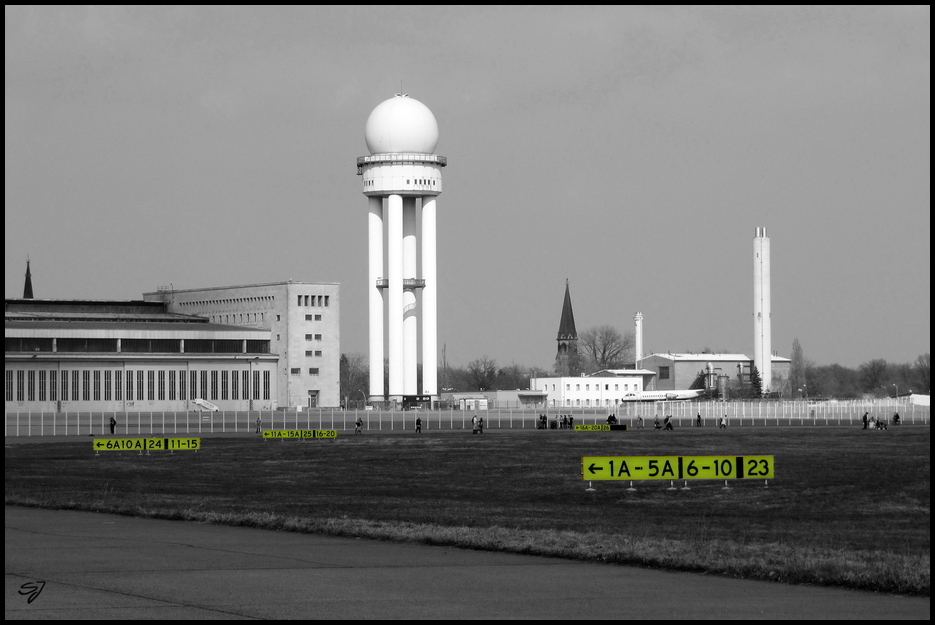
{"x":558,"y":422}
{"x":478,"y":423}
{"x":873,"y":423}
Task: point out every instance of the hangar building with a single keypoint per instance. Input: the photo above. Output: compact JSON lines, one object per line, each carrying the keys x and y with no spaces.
{"x":118,"y":356}
{"x":686,"y":371}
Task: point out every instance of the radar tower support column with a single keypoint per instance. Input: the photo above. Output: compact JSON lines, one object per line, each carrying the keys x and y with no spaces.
{"x":377,"y":306}
{"x":410,"y":318}
{"x":429,"y":295}
{"x":394,"y":261}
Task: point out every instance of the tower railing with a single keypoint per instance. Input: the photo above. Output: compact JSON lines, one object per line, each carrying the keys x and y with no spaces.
{"x":408,"y":283}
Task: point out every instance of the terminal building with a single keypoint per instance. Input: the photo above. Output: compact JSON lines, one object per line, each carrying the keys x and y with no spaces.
{"x":250,"y":347}
{"x":127,"y":356}
{"x":303,"y":319}
{"x":599,"y":390}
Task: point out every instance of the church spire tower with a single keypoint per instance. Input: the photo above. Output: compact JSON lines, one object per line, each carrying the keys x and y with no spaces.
{"x":567,"y":336}
{"x":27,"y":289}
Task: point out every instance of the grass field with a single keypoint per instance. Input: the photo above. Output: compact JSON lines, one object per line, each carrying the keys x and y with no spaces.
{"x":848,"y":507}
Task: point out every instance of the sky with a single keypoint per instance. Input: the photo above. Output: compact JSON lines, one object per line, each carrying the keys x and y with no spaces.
{"x":631,"y":151}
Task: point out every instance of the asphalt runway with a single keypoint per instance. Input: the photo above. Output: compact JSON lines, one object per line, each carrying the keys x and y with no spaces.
{"x":100,"y":566}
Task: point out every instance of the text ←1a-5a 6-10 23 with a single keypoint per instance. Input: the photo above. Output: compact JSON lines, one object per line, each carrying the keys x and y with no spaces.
{"x":300,"y":433}
{"x":147,"y":444}
{"x":677,"y":467}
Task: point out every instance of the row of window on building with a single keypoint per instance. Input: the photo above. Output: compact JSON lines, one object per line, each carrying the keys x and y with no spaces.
{"x":136,"y":346}
{"x":587,"y":403}
{"x":137,"y":385}
{"x":323,"y":300}
{"x":238,"y":301}
{"x":597,"y":387}
{"x":298,"y":371}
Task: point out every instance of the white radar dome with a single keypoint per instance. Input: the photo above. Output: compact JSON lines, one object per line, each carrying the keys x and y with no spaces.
{"x":401,"y":124}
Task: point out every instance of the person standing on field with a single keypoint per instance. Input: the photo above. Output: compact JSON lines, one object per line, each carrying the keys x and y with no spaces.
{"x":113,"y":424}
{"x":866,"y":419}
{"x":357,"y":425}
{"x":259,"y":426}
{"x":418,"y":425}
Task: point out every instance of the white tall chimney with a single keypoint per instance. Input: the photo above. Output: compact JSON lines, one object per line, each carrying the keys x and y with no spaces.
{"x":638,"y":333}
{"x":762,"y":344}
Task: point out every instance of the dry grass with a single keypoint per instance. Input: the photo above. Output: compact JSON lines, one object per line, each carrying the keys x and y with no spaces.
{"x":848,"y":507}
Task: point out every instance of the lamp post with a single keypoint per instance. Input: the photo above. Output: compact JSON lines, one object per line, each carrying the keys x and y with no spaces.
{"x":364,"y":396}
{"x":897,"y":391}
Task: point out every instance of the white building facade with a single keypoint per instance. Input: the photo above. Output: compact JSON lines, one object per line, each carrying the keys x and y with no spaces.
{"x":601,"y":390}
{"x":303,"y":320}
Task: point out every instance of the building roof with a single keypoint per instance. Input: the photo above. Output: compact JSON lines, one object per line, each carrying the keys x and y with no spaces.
{"x":617,"y":373}
{"x":63,"y":317}
{"x":160,"y":291}
{"x":702,"y":357}
{"x":566,"y":327}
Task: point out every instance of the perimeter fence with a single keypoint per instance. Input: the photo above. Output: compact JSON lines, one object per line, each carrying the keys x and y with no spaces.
{"x":683,"y":413}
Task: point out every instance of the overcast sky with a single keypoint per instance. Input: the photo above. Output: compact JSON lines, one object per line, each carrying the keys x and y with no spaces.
{"x":632,"y":151}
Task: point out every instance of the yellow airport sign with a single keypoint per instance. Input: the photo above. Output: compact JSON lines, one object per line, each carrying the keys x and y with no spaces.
{"x":300,"y":433}
{"x":601,"y":427}
{"x":676,"y":467}
{"x":146,"y":444}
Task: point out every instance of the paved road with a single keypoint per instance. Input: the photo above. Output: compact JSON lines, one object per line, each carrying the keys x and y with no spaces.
{"x":105,"y":566}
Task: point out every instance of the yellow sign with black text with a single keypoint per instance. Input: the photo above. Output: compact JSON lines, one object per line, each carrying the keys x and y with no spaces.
{"x":300,"y":433}
{"x":601,"y":427}
{"x":146,"y":444}
{"x":676,"y":467}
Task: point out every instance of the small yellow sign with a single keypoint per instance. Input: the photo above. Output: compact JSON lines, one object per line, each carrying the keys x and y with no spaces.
{"x":147,"y":444}
{"x":601,"y":427}
{"x":677,"y":467}
{"x":300,"y":433}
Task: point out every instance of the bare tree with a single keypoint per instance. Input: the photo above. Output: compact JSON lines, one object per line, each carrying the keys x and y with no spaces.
{"x":482,"y":373}
{"x":355,"y":377}
{"x":872,"y":375}
{"x":923,"y":370}
{"x":797,"y":368}
{"x":605,"y":348}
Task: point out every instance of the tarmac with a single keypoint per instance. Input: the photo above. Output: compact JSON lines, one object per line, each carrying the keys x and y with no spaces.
{"x":81,"y":565}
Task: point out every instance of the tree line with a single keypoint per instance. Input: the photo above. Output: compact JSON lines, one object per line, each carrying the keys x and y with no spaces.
{"x":876,"y":377}
{"x":605,"y":347}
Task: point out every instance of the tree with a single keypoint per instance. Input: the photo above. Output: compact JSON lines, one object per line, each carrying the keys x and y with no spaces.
{"x":923,"y":373}
{"x":482,"y":373}
{"x":797,"y":368}
{"x":354,"y":376}
{"x":513,"y":376}
{"x":872,"y":375}
{"x":604,"y":347}
{"x":756,"y":383}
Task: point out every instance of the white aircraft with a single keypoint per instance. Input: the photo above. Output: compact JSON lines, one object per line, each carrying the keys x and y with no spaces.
{"x":663,"y":395}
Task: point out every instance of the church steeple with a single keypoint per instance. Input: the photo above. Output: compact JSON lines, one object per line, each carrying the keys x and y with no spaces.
{"x":567,"y":335}
{"x":27,"y":290}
